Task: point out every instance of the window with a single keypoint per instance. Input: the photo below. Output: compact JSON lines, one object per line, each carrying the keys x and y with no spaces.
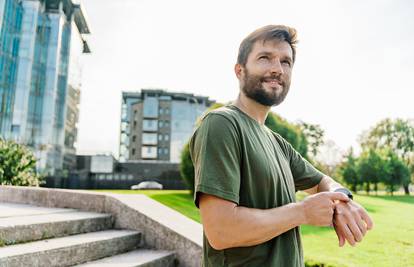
{"x":150,"y":125}
{"x":161,"y":124}
{"x":166,"y":137}
{"x":149,"y":138}
{"x":133,"y":152}
{"x":167,"y":111}
{"x":167,"y":124}
{"x":134,"y":137}
{"x":149,"y":152}
{"x":160,"y":137}
{"x":165,"y":151}
{"x":161,"y":111}
{"x":151,"y":107}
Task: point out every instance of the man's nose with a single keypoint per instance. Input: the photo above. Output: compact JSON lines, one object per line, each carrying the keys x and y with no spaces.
{"x":276,"y":67}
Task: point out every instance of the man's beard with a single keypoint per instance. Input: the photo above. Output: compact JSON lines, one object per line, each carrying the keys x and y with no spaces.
{"x":253,"y":89}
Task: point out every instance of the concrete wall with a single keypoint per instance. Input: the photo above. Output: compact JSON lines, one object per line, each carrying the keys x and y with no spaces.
{"x":163,"y":227}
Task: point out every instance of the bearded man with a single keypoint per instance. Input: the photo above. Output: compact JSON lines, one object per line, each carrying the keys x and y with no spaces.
{"x":246,"y":175}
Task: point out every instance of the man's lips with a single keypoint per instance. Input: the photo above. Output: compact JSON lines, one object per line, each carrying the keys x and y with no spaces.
{"x":273,"y":81}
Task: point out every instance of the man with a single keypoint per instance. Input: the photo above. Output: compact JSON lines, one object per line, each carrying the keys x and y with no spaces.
{"x":246,"y":175}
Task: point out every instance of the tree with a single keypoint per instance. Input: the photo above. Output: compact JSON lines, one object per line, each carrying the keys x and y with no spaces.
{"x":397,"y":172}
{"x":396,"y":135}
{"x":17,"y":165}
{"x":371,"y":169}
{"x":314,"y":135}
{"x":187,"y":167}
{"x":349,"y":172}
{"x":291,"y":132}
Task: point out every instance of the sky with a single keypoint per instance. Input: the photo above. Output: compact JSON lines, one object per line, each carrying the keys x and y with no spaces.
{"x":354,"y":64}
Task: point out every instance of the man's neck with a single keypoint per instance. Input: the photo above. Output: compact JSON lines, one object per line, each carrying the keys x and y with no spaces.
{"x":252,"y":108}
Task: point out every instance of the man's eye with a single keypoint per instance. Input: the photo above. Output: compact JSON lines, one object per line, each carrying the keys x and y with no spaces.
{"x":287,"y":63}
{"x":263,"y":57}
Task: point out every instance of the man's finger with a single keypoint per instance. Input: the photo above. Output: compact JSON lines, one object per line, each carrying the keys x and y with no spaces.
{"x":338,"y":196}
{"x":346,"y":232}
{"x":367,"y":219}
{"x":355,"y":231}
{"x":361,"y":225}
{"x":340,"y":236}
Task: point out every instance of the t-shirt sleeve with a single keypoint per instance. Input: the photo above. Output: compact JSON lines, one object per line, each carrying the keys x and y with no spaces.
{"x":215,"y":152}
{"x":305,"y":175}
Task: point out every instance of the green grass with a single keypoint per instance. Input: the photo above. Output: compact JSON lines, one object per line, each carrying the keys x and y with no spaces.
{"x":390,"y":243}
{"x":179,"y":200}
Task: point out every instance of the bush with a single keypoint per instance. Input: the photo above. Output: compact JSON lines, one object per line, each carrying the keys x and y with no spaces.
{"x":17,"y":165}
{"x":187,"y":167}
{"x":311,"y":263}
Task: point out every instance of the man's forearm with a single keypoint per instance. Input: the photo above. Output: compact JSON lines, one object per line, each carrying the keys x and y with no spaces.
{"x":242,"y":227}
{"x":328,"y":184}
{"x":227,"y":225}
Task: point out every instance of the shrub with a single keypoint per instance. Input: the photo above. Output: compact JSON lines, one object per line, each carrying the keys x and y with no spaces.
{"x":17,"y":165}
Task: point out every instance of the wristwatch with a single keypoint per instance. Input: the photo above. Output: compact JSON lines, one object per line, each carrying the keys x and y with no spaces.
{"x":345,"y":191}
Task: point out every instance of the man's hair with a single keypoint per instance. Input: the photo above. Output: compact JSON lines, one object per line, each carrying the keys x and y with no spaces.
{"x":267,"y":33}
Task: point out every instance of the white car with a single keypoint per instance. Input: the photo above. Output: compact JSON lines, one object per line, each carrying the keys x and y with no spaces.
{"x":147,"y":185}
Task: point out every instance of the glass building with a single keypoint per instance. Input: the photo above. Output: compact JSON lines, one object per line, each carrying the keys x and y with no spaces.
{"x":156,"y":124}
{"x":10,"y":28}
{"x":34,"y":64}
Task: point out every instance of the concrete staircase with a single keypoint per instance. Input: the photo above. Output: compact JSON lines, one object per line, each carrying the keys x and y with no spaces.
{"x":37,"y":236}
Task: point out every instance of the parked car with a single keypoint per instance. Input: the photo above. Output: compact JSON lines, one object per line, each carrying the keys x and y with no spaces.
{"x":147,"y":185}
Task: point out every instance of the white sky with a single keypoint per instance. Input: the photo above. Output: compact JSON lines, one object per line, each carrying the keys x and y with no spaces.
{"x":354,"y":67}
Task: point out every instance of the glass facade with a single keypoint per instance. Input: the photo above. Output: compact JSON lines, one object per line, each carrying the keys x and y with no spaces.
{"x":183,"y":117}
{"x":34,"y":79}
{"x":128,"y":100}
{"x":10,"y":25}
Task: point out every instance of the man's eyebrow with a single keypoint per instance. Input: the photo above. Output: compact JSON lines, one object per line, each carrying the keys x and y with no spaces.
{"x":264,"y":53}
{"x":287,"y":58}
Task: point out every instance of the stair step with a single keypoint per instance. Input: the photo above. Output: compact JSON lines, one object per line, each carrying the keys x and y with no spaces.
{"x":140,"y":257}
{"x":20,"y":229}
{"x":14,"y":209}
{"x":70,"y":250}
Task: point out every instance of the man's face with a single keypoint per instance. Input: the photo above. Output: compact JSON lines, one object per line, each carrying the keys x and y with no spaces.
{"x":266,"y":76}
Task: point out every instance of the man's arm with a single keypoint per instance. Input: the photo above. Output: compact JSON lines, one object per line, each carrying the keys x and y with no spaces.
{"x":227,"y":225}
{"x":351,"y":220}
{"x":326,"y":184}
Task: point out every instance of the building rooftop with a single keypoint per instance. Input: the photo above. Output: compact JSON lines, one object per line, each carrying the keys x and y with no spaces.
{"x":173,"y":95}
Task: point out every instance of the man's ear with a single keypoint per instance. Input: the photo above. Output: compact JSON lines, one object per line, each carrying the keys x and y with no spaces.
{"x":238,"y":69}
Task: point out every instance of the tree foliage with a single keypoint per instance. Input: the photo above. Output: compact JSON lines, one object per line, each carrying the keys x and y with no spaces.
{"x":17,"y":165}
{"x":397,"y":172}
{"x":349,"y":171}
{"x":373,"y":167}
{"x":396,"y":135}
{"x":314,"y":135}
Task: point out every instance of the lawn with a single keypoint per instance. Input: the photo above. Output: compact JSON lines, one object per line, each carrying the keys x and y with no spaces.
{"x":390,"y":243}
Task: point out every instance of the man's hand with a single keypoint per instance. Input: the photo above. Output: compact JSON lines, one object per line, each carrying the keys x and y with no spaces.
{"x":351,"y":222}
{"x":319,"y":208}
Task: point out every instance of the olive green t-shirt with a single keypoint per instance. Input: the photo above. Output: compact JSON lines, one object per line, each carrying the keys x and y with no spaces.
{"x":237,"y":159}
